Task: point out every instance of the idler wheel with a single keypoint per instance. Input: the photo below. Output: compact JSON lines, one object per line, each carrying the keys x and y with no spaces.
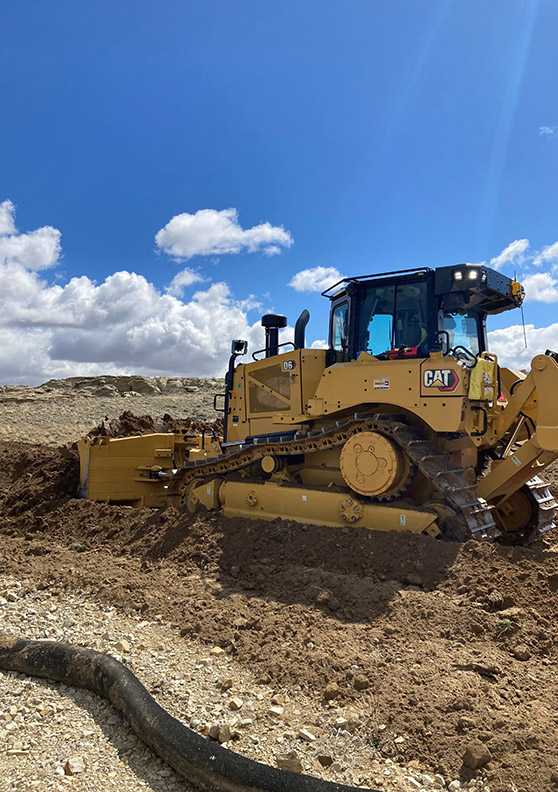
{"x":373,"y":465}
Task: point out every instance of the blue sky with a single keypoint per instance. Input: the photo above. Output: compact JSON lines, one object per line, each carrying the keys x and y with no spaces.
{"x":353,"y":135}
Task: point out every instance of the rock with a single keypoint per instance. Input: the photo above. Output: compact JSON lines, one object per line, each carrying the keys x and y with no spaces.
{"x":466,"y":723}
{"x":325,"y":760}
{"x":427,"y":780}
{"x":361,"y":682}
{"x":226,"y":684}
{"x":290,"y":762}
{"x":143,"y":385}
{"x":340,"y":723}
{"x":412,"y":782}
{"x":278,"y":698}
{"x":305,"y":734}
{"x":276,"y":710}
{"x":477,"y":628}
{"x":413,"y":579}
{"x":106,"y":390}
{"x":225,"y":733}
{"x":74,"y":765}
{"x":439,"y":781}
{"x":454,"y":786}
{"x":332,"y":691}
{"x":235,"y":703}
{"x":476,"y":755}
{"x":122,"y":646}
{"x":217,"y":651}
{"x":521,"y":652}
{"x":220,"y":731}
{"x":11,"y":596}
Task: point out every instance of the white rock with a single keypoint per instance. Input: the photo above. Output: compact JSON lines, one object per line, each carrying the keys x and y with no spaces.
{"x":74,"y":765}
{"x":307,"y":735}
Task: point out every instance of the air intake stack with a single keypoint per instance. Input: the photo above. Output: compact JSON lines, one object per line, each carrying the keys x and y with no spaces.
{"x":272,"y":323}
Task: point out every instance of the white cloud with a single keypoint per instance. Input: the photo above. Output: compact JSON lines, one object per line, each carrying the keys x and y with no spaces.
{"x":123,"y":324}
{"x":541,"y":287}
{"x":210,"y":232}
{"x":509,"y":344}
{"x":513,"y":253}
{"x":316,"y":279}
{"x":547,"y":131}
{"x":320,"y":343}
{"x":182,"y":280}
{"x":37,"y":250}
{"x":548,"y":255}
{"x":7,"y":218}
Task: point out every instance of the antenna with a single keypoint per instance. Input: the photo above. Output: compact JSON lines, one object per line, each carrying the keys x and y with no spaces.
{"x":522,"y":315}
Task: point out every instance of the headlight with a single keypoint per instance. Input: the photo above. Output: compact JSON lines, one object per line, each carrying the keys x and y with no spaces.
{"x":457,"y":275}
{"x":473,"y":274}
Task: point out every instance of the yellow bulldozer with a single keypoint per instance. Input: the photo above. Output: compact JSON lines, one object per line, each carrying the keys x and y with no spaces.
{"x":406,"y":422}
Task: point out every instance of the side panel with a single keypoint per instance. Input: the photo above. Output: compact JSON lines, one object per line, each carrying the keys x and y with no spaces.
{"x":368,"y":380}
{"x":273,"y":392}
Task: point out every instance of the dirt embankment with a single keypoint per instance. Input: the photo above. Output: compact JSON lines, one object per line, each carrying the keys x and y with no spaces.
{"x":62,"y":411}
{"x":438,"y":648}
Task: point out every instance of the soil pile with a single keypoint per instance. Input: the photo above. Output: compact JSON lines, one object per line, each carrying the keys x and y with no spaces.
{"x":128,"y":424}
{"x":444,"y":653}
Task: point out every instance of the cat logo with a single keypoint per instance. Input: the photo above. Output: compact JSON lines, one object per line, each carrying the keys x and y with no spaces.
{"x":442,"y":379}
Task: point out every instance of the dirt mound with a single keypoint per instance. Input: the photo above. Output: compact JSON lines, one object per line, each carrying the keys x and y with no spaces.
{"x":128,"y":424}
{"x":434,"y":647}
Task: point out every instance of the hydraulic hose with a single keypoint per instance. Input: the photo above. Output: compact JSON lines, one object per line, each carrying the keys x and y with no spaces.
{"x":204,"y":764}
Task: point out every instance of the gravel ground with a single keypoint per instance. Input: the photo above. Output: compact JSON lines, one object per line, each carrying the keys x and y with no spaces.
{"x":48,"y":730}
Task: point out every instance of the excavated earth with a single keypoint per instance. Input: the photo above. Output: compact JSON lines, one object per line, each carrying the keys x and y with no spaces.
{"x":440,"y":651}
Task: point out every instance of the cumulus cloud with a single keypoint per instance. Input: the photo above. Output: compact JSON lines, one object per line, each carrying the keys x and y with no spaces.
{"x":548,"y":255}
{"x":512,"y":254}
{"x":541,"y":287}
{"x":316,"y":279}
{"x":509,"y":344}
{"x":182,"y":280}
{"x":37,"y":250}
{"x":210,"y":232}
{"x":124,"y":324}
{"x":7,"y":218}
{"x":546,"y":131}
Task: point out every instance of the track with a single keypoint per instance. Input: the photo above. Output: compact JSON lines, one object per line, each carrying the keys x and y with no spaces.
{"x":205,"y":764}
{"x":470,"y":515}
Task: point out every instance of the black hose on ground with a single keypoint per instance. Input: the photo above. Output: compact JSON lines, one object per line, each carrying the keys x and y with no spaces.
{"x":205,"y":764}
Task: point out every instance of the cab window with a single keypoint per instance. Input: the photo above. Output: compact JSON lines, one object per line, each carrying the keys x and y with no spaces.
{"x":340,"y":328}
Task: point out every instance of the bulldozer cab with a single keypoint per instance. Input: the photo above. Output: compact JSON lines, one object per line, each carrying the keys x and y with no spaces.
{"x":409,"y":314}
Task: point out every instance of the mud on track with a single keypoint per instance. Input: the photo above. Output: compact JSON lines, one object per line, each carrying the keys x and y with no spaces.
{"x":433,"y":627}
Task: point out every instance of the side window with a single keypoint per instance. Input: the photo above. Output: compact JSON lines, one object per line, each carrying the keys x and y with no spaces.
{"x":340,"y":327}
